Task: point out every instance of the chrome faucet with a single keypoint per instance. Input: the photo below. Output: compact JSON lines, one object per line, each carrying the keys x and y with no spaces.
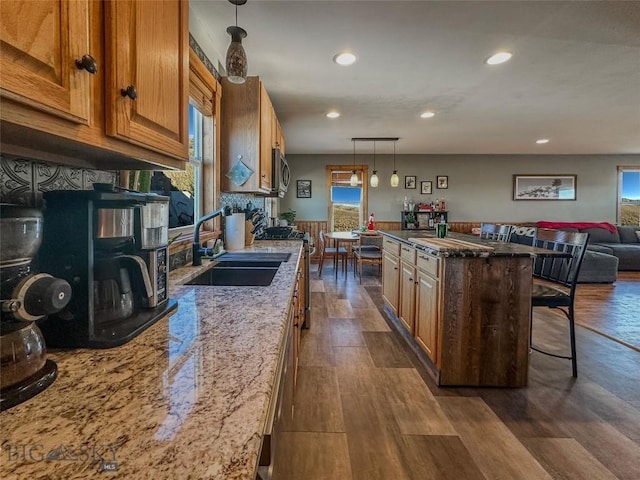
{"x":198,"y":250}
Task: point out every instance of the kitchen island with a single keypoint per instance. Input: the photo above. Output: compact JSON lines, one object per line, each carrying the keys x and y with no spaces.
{"x":463,"y":304}
{"x":188,"y":398}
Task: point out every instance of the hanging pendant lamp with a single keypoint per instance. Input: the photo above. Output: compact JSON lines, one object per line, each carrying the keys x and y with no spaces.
{"x":354,"y":178}
{"x":395,"y":180}
{"x":236,"y":63}
{"x":374,"y":178}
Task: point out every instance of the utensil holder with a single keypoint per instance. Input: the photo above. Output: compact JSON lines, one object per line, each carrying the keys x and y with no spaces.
{"x":234,"y":231}
{"x":248,"y":236}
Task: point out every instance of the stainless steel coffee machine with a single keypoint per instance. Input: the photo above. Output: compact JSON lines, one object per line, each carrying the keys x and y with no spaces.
{"x":151,"y":241}
{"x":110,"y":245}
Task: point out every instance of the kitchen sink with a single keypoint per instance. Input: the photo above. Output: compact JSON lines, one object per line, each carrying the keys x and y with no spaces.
{"x":248,"y":276}
{"x":247,"y":264}
{"x":257,"y":256}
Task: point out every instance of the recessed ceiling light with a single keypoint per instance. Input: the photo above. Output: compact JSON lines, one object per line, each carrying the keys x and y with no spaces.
{"x":333,"y":114}
{"x":427,"y":114}
{"x":542,"y":140}
{"x":345,"y":59}
{"x":498,"y":58}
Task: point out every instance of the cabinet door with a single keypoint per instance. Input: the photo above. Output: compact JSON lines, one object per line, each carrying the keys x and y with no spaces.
{"x":266,"y":139}
{"x":40,"y":42}
{"x":427,"y":315}
{"x":280,"y":137}
{"x":390,"y":279}
{"x":406,"y":307}
{"x":147,"y":52}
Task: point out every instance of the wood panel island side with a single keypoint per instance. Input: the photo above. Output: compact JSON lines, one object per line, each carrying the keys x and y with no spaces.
{"x":463,"y":305}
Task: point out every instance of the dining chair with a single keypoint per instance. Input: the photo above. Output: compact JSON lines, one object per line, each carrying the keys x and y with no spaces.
{"x":368,"y":251}
{"x":330,"y":252}
{"x":492,"y":231}
{"x":555,"y":281}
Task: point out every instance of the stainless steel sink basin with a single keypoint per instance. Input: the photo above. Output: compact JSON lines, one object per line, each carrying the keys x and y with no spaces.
{"x":247,"y":264}
{"x":237,"y":257}
{"x":248,"y":276}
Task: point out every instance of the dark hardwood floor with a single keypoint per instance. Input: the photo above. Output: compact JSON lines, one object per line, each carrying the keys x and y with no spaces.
{"x":367,"y":409}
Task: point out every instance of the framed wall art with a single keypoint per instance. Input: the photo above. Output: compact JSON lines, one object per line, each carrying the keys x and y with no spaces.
{"x":442,"y":181}
{"x":410,"y":181}
{"x":303,"y":188}
{"x":426,"y":188}
{"x":544,"y":187}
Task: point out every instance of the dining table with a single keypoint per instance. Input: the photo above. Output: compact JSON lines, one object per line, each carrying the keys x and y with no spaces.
{"x":340,"y":238}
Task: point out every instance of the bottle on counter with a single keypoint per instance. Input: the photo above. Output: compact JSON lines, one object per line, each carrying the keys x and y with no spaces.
{"x":370,"y":225}
{"x":405,"y":205}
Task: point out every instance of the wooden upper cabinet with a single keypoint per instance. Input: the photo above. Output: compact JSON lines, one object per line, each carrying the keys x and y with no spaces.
{"x":40,"y":43}
{"x":267,"y":135}
{"x":147,"y":87}
{"x":247,"y":135}
{"x":280,"y":138}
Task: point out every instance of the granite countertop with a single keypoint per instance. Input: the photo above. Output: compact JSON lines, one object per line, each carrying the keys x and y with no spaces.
{"x":500,"y":249}
{"x":187,"y":398}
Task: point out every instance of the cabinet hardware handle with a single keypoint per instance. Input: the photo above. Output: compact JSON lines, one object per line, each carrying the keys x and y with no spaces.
{"x":410,"y":279}
{"x":416,"y":283}
{"x":88,"y":63}
{"x":395,"y":268}
{"x":130,"y":92}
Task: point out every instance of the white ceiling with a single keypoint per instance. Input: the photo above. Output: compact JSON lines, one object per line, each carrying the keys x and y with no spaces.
{"x":574,"y":77}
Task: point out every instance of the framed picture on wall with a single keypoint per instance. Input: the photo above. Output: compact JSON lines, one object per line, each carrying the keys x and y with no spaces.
{"x":442,"y":181}
{"x":303,"y":188}
{"x":410,"y":181}
{"x":544,"y":187}
{"x":426,"y":188}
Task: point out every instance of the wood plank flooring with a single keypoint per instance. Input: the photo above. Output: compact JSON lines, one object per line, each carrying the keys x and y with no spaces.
{"x":367,"y":409}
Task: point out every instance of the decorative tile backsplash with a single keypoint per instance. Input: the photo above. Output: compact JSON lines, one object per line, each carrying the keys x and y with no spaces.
{"x":24,"y":181}
{"x":241,"y":200}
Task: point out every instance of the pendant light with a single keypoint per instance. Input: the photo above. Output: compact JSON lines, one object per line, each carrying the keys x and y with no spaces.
{"x":354,"y":178}
{"x":395,"y":180}
{"x":374,"y":178}
{"x":236,"y":57}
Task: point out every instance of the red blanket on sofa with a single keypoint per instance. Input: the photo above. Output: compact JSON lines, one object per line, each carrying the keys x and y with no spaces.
{"x":579,"y":225}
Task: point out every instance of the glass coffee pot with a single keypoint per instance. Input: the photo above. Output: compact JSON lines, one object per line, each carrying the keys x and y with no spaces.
{"x":113,"y":295}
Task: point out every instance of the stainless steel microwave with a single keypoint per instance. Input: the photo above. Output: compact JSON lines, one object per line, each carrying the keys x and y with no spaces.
{"x":281,"y":174}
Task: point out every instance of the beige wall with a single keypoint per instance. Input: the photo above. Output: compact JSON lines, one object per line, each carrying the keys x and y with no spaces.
{"x":480,"y":186}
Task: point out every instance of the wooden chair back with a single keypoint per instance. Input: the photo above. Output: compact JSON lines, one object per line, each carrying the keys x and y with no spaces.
{"x":561,"y":270}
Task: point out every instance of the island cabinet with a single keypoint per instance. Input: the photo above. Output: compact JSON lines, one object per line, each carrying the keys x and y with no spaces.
{"x":468,"y":313}
{"x":249,"y":135}
{"x":69,"y":96}
{"x":391,"y":273}
{"x":427,"y":305}
{"x":406,"y":307}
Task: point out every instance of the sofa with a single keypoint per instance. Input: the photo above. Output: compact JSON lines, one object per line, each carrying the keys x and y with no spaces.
{"x":623,"y":242}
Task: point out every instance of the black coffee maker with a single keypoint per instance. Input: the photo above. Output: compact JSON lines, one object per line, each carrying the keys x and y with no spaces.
{"x":89,"y":240}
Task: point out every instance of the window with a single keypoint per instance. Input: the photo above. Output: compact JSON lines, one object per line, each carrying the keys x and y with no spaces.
{"x":194,"y":191}
{"x":184,"y":188}
{"x":347,"y":204}
{"x":629,"y":196}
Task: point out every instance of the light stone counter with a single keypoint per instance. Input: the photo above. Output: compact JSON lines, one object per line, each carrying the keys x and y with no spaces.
{"x":186,"y":399}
